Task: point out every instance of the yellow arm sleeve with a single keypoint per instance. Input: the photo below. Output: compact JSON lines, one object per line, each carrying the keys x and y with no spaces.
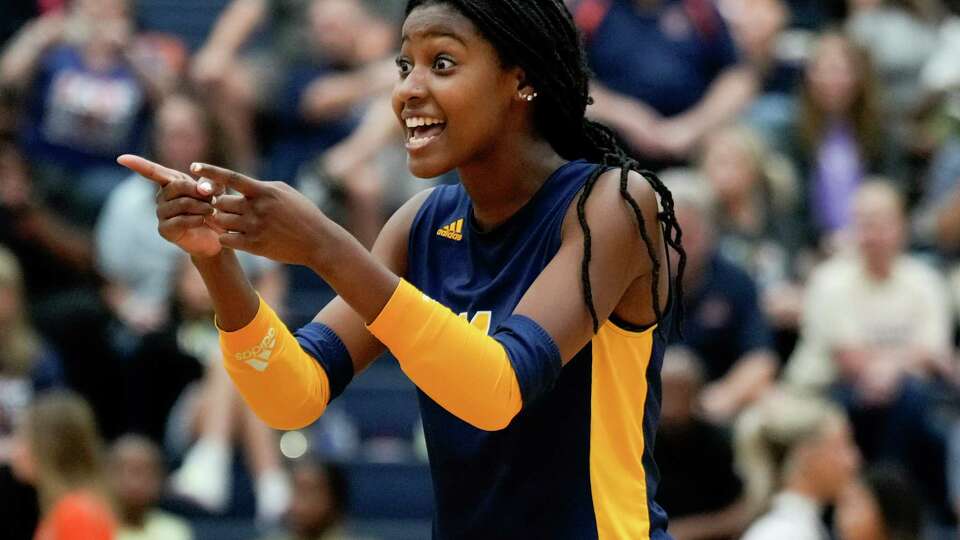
{"x":464,"y":370}
{"x":285,"y":387}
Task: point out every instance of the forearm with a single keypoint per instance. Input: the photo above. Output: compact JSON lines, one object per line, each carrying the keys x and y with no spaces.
{"x":750,"y":376}
{"x":235,"y":302}
{"x":235,"y":25}
{"x":333,"y":96}
{"x":727,"y":96}
{"x":618,"y":111}
{"x":68,"y":243}
{"x":20,"y":58}
{"x":362,"y":281}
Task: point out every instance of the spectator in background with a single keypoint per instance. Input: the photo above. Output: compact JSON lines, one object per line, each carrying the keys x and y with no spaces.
{"x":27,"y":365}
{"x":876,"y":317}
{"x":139,"y":288}
{"x":241,"y":85}
{"x":45,"y":242}
{"x":758,"y":225}
{"x":877,"y":335}
{"x":137,"y":475}
{"x":797,"y":455}
{"x":840,"y":135}
{"x":319,"y":503}
{"x":758,"y":27}
{"x":693,"y":454}
{"x":881,"y":505}
{"x":58,"y":450}
{"x":724,"y":322}
{"x":667,"y":72}
{"x":212,"y":421}
{"x":86,"y":95}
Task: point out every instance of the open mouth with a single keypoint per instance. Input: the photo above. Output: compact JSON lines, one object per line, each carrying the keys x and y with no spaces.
{"x":422,"y":130}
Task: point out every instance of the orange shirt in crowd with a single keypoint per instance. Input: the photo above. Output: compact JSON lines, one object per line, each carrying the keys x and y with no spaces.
{"x":78,"y":516}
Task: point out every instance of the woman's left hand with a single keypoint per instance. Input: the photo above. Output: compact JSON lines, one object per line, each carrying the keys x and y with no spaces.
{"x":270,"y":219}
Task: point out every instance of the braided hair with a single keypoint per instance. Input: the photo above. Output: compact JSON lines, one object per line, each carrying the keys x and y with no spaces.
{"x":540,"y":37}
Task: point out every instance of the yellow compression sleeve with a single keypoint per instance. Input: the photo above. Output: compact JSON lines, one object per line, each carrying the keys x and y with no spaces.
{"x":460,"y":367}
{"x":285,"y":387}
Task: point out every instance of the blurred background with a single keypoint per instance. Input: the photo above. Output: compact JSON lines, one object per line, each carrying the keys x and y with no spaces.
{"x":813,"y":148}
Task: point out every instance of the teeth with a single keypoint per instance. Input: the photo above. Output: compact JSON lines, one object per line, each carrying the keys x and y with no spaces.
{"x":419,"y":121}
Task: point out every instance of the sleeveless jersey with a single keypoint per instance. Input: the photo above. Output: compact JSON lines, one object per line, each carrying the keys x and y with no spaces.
{"x":578,"y":462}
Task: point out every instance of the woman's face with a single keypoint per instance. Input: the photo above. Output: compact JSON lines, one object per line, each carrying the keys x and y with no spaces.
{"x":835,"y":459}
{"x":452,"y":79}
{"x":181,"y":136}
{"x":832,"y":76}
{"x":858,"y":517}
{"x":729,"y":166}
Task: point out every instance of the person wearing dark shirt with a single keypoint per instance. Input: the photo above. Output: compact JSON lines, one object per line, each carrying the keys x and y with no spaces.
{"x":700,"y":489}
{"x":723,"y":321}
{"x":666,"y":72}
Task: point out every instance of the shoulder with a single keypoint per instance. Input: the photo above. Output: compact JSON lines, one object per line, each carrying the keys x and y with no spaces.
{"x":611,"y":199}
{"x":391,"y":246}
{"x":616,"y":208}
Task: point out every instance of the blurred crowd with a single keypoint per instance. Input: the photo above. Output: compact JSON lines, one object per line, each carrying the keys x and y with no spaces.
{"x":813,"y":152}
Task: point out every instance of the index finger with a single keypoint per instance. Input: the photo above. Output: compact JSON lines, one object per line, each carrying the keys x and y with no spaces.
{"x":154,"y":172}
{"x":225,"y":177}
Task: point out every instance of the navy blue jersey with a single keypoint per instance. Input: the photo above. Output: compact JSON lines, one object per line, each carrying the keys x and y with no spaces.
{"x":576,"y":463}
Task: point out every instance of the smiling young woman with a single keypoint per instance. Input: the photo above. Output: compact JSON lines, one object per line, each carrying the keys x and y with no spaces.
{"x":528,"y":303}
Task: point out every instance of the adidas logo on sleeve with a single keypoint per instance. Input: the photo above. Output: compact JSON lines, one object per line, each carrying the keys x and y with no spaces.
{"x":259,"y":356}
{"x":453,"y":231}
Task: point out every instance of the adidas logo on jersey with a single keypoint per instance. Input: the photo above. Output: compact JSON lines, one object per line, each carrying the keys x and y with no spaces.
{"x":453,"y":231}
{"x":259,"y":356}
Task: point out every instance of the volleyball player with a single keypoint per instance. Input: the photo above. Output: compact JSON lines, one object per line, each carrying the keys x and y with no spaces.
{"x":527,"y":303}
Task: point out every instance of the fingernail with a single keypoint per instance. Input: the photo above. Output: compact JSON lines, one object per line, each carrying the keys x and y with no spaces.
{"x":205,"y":187}
{"x":195,"y":167}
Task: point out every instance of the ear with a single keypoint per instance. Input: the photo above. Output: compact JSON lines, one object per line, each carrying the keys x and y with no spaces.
{"x":525,"y":91}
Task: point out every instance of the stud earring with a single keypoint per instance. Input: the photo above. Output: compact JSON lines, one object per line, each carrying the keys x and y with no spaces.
{"x":528,"y":97}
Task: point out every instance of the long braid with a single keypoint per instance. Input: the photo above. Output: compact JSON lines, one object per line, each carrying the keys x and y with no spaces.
{"x":540,"y":37}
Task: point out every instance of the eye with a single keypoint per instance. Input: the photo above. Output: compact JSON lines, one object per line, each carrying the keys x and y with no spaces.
{"x":404,"y":65}
{"x":443,"y":63}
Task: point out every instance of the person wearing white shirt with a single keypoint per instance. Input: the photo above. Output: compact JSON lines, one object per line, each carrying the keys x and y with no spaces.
{"x":797,"y":454}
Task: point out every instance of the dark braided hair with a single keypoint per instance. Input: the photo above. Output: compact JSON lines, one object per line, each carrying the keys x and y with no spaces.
{"x":540,"y":37}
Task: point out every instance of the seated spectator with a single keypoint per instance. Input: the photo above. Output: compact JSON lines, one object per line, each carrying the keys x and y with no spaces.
{"x":305,"y":71}
{"x":758,"y":28}
{"x":57,"y":449}
{"x":45,"y":242}
{"x":137,"y":476}
{"x":840,"y":136}
{"x":877,"y":335}
{"x":877,"y":316}
{"x":212,"y":421}
{"x":798,"y":455}
{"x":692,"y":453}
{"x":28,"y":366}
{"x":86,"y":97}
{"x":900,"y":36}
{"x":318,"y":505}
{"x":881,"y":505}
{"x":724,"y":323}
{"x":667,"y":72}
{"x":139,"y":288}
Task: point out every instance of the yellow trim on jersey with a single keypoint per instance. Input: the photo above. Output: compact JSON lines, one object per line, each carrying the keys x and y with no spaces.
{"x":619,"y":392}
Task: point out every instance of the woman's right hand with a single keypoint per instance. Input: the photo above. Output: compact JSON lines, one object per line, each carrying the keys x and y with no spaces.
{"x":182,"y":207}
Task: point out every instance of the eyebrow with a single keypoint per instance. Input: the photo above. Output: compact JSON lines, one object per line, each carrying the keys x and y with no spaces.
{"x":434,"y":34}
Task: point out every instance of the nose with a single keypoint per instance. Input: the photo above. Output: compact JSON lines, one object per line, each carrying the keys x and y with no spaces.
{"x":411,"y":88}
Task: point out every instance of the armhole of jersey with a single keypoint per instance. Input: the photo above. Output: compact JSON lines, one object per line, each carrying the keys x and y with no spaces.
{"x":411,"y":234}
